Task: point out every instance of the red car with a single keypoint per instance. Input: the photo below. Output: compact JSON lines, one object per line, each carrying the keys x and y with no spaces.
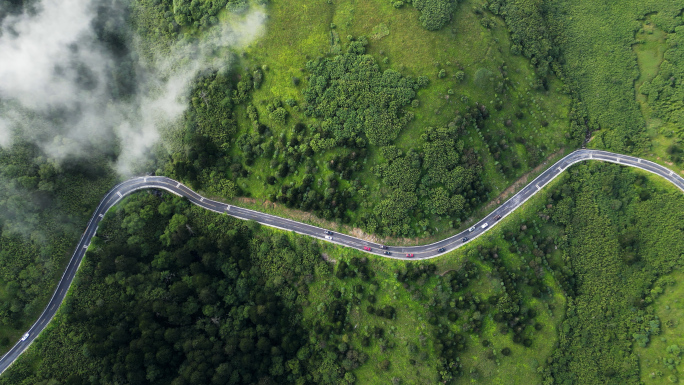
{"x":367,"y":248}
{"x":409,"y":255}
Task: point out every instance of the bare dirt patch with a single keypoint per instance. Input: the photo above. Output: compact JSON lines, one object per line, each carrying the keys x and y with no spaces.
{"x":303,"y":216}
{"x":327,"y":258}
{"x":246,"y":200}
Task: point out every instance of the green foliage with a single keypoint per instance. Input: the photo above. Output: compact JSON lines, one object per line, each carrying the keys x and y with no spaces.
{"x":394,"y":210}
{"x":216,"y":304}
{"x":529,"y":31}
{"x":666,"y":91}
{"x":212,"y":109}
{"x":570,"y":38}
{"x":483,"y":78}
{"x":435,"y":14}
{"x":353,"y":98}
{"x":154,"y":20}
{"x":199,"y":14}
{"x":278,"y":116}
{"x":400,"y":172}
{"x":617,"y":255}
{"x":606,"y":86}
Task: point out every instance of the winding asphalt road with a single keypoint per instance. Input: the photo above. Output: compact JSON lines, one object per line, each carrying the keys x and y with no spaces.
{"x":419,"y":252}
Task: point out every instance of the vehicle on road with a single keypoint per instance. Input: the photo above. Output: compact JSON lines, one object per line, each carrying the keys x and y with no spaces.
{"x":367,"y":248}
{"x":496,"y":218}
{"x":388,"y":252}
{"x":383,"y":247}
{"x":328,"y":237}
{"x":167,"y":184}
{"x":440,"y":250}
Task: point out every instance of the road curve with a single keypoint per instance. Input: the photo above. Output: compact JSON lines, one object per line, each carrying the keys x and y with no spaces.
{"x":397,"y":252}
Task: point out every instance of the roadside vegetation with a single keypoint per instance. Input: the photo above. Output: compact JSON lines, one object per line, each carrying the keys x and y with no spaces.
{"x":661,"y":356}
{"x":44,"y":207}
{"x":170,"y":293}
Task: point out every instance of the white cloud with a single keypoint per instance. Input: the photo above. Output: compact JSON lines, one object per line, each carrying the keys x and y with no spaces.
{"x":33,"y":48}
{"x":45,"y":56}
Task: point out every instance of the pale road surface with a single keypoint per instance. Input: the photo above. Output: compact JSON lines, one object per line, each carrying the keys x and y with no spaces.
{"x":420,"y":252}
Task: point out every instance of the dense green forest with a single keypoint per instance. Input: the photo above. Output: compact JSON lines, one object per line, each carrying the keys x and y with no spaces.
{"x":401,"y":120}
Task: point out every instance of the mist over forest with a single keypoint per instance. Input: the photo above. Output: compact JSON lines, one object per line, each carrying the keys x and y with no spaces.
{"x":86,"y":100}
{"x":74,"y":85}
{"x":78,"y":95}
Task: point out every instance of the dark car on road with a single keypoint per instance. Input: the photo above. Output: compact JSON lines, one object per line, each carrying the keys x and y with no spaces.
{"x":440,"y":250}
{"x":383,"y":247}
{"x":496,"y":218}
{"x":328,"y":232}
{"x":388,"y":252}
{"x":464,"y":240}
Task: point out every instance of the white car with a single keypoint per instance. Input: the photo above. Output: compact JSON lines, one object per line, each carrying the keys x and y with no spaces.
{"x":328,"y":237}
{"x":24,"y":337}
{"x":485,"y":226}
{"x":472,"y":229}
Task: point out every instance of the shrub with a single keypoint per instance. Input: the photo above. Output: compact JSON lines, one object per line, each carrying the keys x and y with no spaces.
{"x":434,"y":14}
{"x":278,"y":116}
{"x":347,"y":111}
